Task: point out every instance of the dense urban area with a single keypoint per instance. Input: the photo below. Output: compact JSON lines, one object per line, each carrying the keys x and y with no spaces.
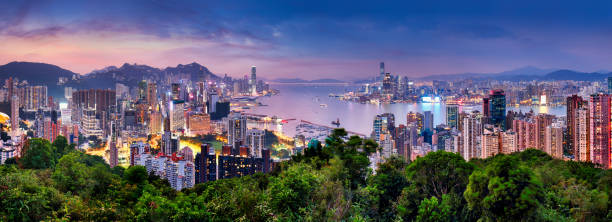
{"x":182,"y":145}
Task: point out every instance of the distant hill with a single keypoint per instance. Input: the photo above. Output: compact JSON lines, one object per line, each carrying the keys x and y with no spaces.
{"x":127,"y":74}
{"x":298,"y":80}
{"x":131,"y":74}
{"x":525,"y":74}
{"x":37,"y":74}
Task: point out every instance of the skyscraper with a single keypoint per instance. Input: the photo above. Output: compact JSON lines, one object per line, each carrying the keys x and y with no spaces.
{"x":177,"y":115}
{"x":152,"y":94}
{"x":416,"y":120}
{"x":382,"y":71}
{"x":573,"y":104}
{"x":472,"y":129}
{"x":255,"y":141}
{"x":253,"y":81}
{"x":236,"y":130}
{"x":381,"y":126}
{"x":428,"y":120}
{"x":609,"y":84}
{"x":599,"y":108}
{"x":452,"y":114}
{"x":14,"y":113}
{"x":387,"y":86}
{"x":497,"y":111}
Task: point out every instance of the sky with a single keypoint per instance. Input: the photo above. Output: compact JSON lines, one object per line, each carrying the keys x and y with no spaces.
{"x":311,"y":39}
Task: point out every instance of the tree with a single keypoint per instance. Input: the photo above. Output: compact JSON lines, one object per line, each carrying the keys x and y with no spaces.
{"x":61,"y":146}
{"x":390,"y":180}
{"x":38,"y":154}
{"x":72,"y":175}
{"x":439,"y":173}
{"x":432,"y":210}
{"x":136,"y":175}
{"x":505,"y":190}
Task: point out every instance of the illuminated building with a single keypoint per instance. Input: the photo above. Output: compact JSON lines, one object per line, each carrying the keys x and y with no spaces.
{"x":255,"y":140}
{"x":497,"y":111}
{"x":236,"y":130}
{"x":177,"y":115}
{"x":452,"y":114}
{"x":199,"y":124}
{"x":554,"y":140}
{"x":472,"y":126}
{"x":599,"y":107}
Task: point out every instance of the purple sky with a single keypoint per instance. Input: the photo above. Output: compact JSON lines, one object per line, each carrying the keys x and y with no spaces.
{"x":311,"y":39}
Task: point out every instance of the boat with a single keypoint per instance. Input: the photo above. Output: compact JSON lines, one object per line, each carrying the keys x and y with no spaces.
{"x":323,"y":105}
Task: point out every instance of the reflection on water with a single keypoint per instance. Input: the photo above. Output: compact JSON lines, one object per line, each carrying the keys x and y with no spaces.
{"x":303,"y":102}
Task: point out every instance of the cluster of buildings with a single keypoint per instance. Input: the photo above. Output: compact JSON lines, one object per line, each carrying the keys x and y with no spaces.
{"x":584,"y":135}
{"x":143,"y":124}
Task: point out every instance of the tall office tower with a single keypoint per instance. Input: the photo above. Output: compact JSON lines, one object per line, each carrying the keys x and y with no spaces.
{"x":176,"y":91}
{"x":14,"y":113}
{"x":152,"y":94}
{"x":236,"y":130}
{"x":382,"y":71}
{"x":497,"y":109}
{"x":177,"y":115}
{"x":416,"y":120}
{"x":573,"y":103}
{"x":255,"y":141}
{"x":142,"y":90}
{"x":253,"y":81}
{"x":428,"y":120}
{"x":554,"y":140}
{"x":486,"y":106}
{"x":490,"y":143}
{"x":542,"y":121}
{"x":582,"y":138}
{"x":599,"y":108}
{"x":472,"y":129}
{"x":452,"y":114}
{"x":381,"y":126}
{"x":212,"y":102}
{"x":609,"y":84}
{"x":155,"y":123}
{"x":509,"y":142}
{"x":387,"y":85}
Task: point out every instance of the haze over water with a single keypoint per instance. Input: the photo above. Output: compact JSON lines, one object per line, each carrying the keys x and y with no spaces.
{"x":303,"y":102}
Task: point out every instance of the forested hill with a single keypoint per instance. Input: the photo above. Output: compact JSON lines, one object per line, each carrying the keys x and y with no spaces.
{"x":326,"y":183}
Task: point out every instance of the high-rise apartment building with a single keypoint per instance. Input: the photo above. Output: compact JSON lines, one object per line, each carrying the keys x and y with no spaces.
{"x":14,"y":113}
{"x":554,"y":140}
{"x":472,"y":130}
{"x":236,"y":130}
{"x":599,"y":108}
{"x":255,"y":141}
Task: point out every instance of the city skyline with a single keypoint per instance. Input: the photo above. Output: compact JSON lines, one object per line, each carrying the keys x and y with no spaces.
{"x":318,"y":40}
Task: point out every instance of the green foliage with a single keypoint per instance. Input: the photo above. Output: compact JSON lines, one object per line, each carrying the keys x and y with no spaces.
{"x":504,"y":190}
{"x":39,"y":154}
{"x":331,"y":182}
{"x":136,"y":175}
